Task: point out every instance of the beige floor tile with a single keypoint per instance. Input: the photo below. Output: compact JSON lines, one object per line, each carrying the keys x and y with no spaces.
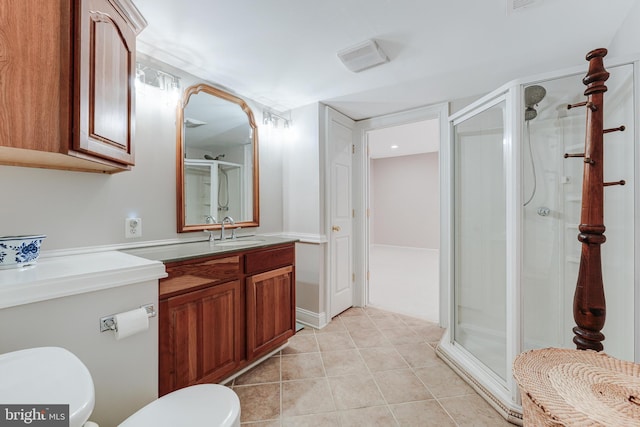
{"x":306,"y":343}
{"x":317,"y":420}
{"x":266,"y":372}
{"x":418,"y":355}
{"x":343,"y":362}
{"x":353,"y":311}
{"x":442,"y":381}
{"x":473,"y":411}
{"x":376,"y":312}
{"x":355,"y":391}
{"x":414,"y":321}
{"x":377,"y":416}
{"x":427,"y":413}
{"x":259,"y":402}
{"x":271,"y":423}
{"x":402,"y":336}
{"x":301,"y":366}
{"x":429,"y":333}
{"x":306,"y":330}
{"x":335,"y":341}
{"x":367,"y":338}
{"x":335,"y":325}
{"x":400,"y":386}
{"x":306,"y":397}
{"x":358,"y":322}
{"x":382,"y":359}
{"x":388,"y":322}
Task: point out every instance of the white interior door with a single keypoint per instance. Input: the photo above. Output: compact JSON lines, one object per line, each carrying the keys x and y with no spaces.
{"x":340,"y":150}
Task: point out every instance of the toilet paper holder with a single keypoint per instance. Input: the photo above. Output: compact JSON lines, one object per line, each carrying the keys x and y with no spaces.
{"x":108,"y":323}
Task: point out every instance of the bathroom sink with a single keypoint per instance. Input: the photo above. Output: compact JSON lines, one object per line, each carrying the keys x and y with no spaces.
{"x":239,"y":242}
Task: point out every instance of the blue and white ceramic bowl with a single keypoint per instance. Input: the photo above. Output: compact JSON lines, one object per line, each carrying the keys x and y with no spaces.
{"x":19,"y":251}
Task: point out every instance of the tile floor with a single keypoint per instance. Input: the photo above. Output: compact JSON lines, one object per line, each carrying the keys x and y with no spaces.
{"x":368,"y":367}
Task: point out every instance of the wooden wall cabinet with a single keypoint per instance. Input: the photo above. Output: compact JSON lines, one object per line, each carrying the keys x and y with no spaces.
{"x":68,"y":83}
{"x":221,"y":313}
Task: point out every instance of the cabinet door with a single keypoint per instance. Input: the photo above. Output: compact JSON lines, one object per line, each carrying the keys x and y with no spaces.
{"x":270,"y":310}
{"x":222,"y":326}
{"x":105,"y":70}
{"x":201,"y":336}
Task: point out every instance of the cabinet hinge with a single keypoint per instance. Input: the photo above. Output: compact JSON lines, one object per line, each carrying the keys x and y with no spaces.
{"x":353,"y":277}
{"x":353,"y":213}
{"x":368,"y":213}
{"x":368,"y":276}
{"x":353,"y":149}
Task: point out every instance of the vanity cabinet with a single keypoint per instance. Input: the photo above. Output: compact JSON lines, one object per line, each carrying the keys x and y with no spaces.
{"x":270,"y":297}
{"x":218,"y":314}
{"x":68,"y":74}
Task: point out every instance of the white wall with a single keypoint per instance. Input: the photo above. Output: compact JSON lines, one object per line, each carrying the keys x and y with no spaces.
{"x":78,"y":209}
{"x":303,"y":208}
{"x":405,"y":201}
{"x":627,"y":39}
{"x":124,"y":372}
{"x":301,"y":170}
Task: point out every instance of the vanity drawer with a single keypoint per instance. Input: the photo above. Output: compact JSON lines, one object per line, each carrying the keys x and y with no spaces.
{"x":190,"y":275}
{"x":269,"y":259}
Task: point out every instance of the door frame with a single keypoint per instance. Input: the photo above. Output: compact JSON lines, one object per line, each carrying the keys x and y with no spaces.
{"x":361,"y":193}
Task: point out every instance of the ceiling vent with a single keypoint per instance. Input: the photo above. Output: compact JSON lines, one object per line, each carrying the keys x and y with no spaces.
{"x":516,"y":5}
{"x":362,"y":56}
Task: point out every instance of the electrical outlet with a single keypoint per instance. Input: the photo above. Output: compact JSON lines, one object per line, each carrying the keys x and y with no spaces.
{"x":132,"y":228}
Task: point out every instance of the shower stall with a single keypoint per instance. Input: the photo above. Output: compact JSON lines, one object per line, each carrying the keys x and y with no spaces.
{"x":511,"y":211}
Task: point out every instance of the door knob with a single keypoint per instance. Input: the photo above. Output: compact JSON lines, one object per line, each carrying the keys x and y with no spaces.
{"x":336,"y":228}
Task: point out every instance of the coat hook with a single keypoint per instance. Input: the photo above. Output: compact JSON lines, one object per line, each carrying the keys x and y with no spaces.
{"x":619,"y":128}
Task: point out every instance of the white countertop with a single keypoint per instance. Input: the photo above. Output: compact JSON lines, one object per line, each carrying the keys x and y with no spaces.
{"x":61,"y":276}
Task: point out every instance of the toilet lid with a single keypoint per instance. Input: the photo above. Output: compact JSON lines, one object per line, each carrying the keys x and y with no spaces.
{"x":197,"y":405}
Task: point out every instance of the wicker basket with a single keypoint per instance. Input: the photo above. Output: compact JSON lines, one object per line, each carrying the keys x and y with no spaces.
{"x":561,"y":387}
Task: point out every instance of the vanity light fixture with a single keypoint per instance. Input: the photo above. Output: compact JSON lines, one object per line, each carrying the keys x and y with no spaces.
{"x":269,"y":117}
{"x":394,"y":146}
{"x":147,"y":75}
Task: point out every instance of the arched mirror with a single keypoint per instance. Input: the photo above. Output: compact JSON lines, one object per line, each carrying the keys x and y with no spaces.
{"x":217,"y":160}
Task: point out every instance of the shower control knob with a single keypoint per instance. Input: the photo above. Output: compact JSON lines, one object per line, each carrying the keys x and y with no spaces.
{"x":543,"y":211}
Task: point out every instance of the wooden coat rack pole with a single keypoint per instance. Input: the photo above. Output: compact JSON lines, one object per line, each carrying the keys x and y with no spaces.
{"x":589,"y":308}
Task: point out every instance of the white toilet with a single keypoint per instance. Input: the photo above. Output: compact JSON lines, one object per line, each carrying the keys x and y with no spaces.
{"x":42,"y":375}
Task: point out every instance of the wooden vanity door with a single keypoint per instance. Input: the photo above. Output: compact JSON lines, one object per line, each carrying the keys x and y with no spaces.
{"x":270,"y":310}
{"x":201,"y":339}
{"x":105,"y":83}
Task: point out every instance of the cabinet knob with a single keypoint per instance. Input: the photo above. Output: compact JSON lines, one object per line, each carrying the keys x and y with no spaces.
{"x":336,"y":228}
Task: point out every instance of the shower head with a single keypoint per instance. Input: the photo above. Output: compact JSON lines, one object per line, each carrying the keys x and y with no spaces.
{"x":532,"y":96}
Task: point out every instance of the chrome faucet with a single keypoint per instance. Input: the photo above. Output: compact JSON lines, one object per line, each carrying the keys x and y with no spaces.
{"x":227,"y":219}
{"x":211,"y":220}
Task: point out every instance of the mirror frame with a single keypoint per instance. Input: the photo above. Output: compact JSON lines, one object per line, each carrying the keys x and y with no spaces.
{"x":180,"y":199}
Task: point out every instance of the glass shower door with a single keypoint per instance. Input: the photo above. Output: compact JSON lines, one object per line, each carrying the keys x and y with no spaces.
{"x":479,"y":228}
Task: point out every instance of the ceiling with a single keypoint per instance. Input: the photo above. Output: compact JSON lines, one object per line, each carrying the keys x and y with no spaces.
{"x":283,"y":53}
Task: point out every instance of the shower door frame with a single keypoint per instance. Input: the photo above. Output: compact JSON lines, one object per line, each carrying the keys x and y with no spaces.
{"x":482,"y":378}
{"x":504,"y":395}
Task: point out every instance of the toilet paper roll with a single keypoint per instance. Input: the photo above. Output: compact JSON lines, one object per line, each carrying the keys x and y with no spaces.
{"x":131,"y":322}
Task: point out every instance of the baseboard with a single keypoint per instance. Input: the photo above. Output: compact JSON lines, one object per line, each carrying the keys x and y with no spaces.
{"x":310,"y":318}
